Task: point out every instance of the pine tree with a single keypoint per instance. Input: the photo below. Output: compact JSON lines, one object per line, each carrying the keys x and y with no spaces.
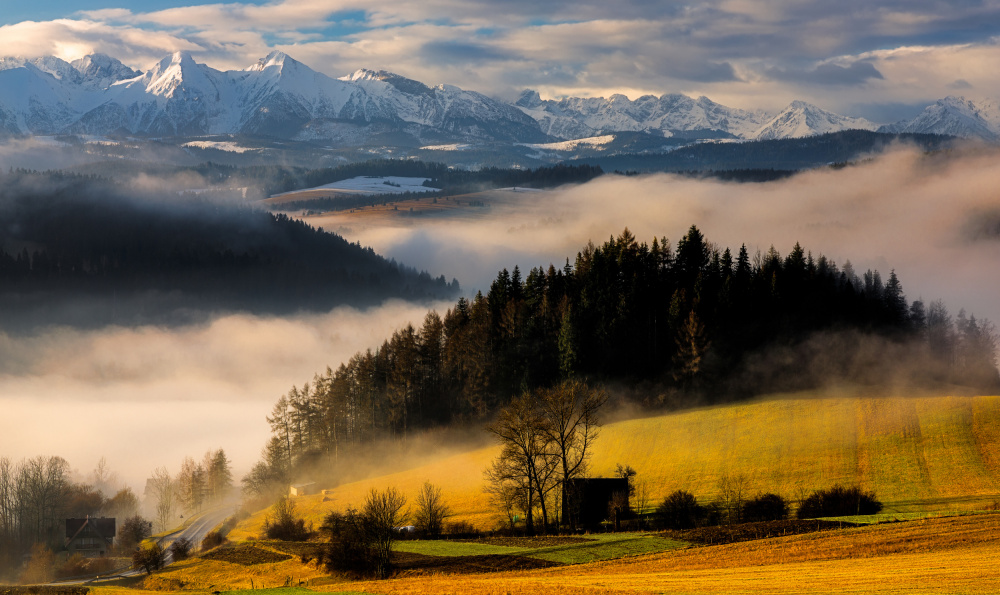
{"x":567,"y":345}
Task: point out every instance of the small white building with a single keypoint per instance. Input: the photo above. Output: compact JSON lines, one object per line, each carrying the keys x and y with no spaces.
{"x":303,"y":489}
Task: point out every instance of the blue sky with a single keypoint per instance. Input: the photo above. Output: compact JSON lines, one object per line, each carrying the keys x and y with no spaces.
{"x":861,"y":57}
{"x":15,"y":11}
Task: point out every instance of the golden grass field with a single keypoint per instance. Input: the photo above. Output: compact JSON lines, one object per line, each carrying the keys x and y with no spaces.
{"x":939,"y":555}
{"x":958,"y":554}
{"x":919,"y":454}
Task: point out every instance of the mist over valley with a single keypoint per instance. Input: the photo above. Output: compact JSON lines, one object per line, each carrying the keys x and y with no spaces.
{"x":455,"y":297}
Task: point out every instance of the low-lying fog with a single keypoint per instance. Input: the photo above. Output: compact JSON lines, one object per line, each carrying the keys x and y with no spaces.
{"x":146,"y":397}
{"x":935,"y":220}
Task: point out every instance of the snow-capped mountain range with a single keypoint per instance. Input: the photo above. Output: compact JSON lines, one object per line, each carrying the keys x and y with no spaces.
{"x":280,"y":97}
{"x":277,"y":96}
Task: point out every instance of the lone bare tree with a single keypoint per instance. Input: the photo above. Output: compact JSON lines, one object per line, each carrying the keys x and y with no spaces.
{"x":384,"y":513}
{"x":545,"y":439}
{"x":526,"y":460}
{"x":431,"y":510}
{"x":570,"y":425}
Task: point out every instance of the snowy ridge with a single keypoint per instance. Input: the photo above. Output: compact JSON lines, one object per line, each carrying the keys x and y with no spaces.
{"x":576,"y":117}
{"x":277,"y":96}
{"x":804,"y":119}
{"x":955,"y":116}
{"x":282,"y":98}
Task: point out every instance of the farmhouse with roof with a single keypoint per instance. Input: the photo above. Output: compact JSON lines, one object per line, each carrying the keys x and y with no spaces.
{"x":90,"y":536}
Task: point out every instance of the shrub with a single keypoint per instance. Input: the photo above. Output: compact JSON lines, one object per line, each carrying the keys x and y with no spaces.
{"x":765,"y":507}
{"x":350,"y":548}
{"x":283,"y":525}
{"x":212,"y":540}
{"x":361,"y":542}
{"x":75,"y":565}
{"x":40,"y":568}
{"x":680,"y":510}
{"x":839,"y":501}
{"x":180,"y":549}
{"x":149,"y":556}
{"x":461,"y":529}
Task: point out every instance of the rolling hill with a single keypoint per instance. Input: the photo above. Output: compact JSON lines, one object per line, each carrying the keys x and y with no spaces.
{"x":920,"y":454}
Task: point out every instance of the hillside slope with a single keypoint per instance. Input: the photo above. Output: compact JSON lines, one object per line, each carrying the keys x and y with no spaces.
{"x":918,"y":454}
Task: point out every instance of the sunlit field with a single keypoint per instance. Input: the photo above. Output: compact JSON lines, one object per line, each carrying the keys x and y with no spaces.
{"x":943,"y":555}
{"x":920,"y":455}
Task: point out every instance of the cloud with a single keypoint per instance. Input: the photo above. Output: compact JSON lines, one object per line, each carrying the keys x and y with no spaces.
{"x":71,"y":39}
{"x":457,"y":51}
{"x":855,"y":73}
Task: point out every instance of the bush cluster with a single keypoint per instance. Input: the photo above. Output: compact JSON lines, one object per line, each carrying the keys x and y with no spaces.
{"x":839,"y":501}
{"x":681,"y":510}
{"x":360,"y":542}
{"x":283,"y":525}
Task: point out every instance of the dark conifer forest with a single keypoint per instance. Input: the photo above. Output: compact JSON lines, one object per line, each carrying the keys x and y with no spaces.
{"x":679,"y":327}
{"x":83,"y":251}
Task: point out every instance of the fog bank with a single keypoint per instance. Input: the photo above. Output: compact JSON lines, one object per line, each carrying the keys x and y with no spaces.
{"x":146,"y":397}
{"x":935,"y":220}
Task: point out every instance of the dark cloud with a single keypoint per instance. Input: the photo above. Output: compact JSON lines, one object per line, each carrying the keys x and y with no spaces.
{"x":703,"y":72}
{"x":463,"y":52}
{"x":828,"y":74}
{"x":960,"y":84}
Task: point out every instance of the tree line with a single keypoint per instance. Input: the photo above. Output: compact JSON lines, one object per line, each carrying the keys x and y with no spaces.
{"x":66,"y":238}
{"x":690,"y":325}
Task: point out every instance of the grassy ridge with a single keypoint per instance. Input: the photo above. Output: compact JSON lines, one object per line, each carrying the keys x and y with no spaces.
{"x":919,"y":454}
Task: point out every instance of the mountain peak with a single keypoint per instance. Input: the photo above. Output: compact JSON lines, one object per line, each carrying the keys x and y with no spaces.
{"x":276,"y":59}
{"x":529,"y":98}
{"x":798,"y":104}
{"x":363,"y":74}
{"x":802,"y":118}
{"x":954,"y":116}
{"x":408,"y":86}
{"x":103,"y":69}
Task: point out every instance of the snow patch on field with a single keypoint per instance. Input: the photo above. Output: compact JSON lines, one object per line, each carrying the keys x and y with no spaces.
{"x":374,"y":185}
{"x":571,"y":145}
{"x":452,"y":147}
{"x":229,"y":147}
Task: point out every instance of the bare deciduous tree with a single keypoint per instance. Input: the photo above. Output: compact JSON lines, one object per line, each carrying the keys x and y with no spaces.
{"x":163,"y":490}
{"x":431,"y":510}
{"x":526,"y":460}
{"x":545,"y":439}
{"x":570,"y":425}
{"x":733,"y":490}
{"x":383,"y":512}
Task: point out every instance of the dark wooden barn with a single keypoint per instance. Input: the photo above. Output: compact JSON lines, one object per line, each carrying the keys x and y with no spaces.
{"x":589,"y":501}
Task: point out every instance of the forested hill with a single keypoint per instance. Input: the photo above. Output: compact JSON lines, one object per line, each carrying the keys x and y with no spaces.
{"x":679,"y":327}
{"x":83,"y":251}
